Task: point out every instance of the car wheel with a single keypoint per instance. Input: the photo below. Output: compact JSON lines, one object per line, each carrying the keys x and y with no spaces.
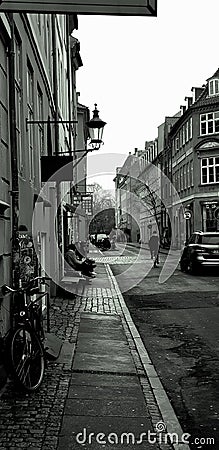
{"x":183,"y":265}
{"x":192,"y":267}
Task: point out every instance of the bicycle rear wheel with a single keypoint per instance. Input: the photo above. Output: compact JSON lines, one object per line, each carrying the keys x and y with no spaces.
{"x":27,"y":358}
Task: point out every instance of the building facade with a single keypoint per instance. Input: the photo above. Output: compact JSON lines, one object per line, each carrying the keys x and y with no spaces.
{"x":39,"y":132}
{"x":186,"y":154}
{"x":128,"y":209}
{"x":194,"y":147}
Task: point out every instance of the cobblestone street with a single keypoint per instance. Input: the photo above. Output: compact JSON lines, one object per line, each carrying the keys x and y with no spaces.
{"x":34,"y":421}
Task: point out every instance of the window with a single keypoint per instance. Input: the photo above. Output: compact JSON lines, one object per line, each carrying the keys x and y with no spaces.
{"x":188,"y":175}
{"x":60,"y":80}
{"x":213,"y":87}
{"x":190,"y":128}
{"x":45,"y":35}
{"x":18,"y":102}
{"x":177,"y":181}
{"x":191,"y":173}
{"x":180,"y":138}
{"x":209,"y":239}
{"x":192,"y":239}
{"x":187,"y":131}
{"x":184,"y":177}
{"x":177,"y":144}
{"x":30,"y":117}
{"x":209,"y":123}
{"x":39,"y":22}
{"x":210,"y":170}
{"x":48,"y":53}
{"x":40,"y":117}
{"x":181,"y":178}
{"x":183,"y":135}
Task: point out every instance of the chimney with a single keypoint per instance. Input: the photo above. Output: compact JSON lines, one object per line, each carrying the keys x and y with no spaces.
{"x":136,"y":150}
{"x":196,"y":92}
{"x":183,"y":108}
{"x":189,"y":101}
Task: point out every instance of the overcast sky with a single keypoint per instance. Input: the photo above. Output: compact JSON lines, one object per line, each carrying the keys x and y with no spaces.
{"x":139,"y":69}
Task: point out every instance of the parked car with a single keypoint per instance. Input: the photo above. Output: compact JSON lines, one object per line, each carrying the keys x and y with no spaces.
{"x":102,"y":241}
{"x":201,"y":250}
{"x":93,"y":239}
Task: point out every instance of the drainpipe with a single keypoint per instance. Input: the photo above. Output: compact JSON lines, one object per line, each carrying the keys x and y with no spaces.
{"x":14,"y":162}
{"x":69,"y":83}
{"x":55,"y":82}
{"x":55,"y":96}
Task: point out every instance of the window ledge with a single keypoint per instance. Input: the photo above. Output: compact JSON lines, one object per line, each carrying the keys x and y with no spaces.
{"x":208,"y":134}
{"x":215,"y":183}
{"x":212,"y":95}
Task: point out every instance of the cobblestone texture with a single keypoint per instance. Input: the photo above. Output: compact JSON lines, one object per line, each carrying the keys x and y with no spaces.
{"x":34,"y":420}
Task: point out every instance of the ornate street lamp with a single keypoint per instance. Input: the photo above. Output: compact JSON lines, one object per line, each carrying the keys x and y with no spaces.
{"x":96,"y":126}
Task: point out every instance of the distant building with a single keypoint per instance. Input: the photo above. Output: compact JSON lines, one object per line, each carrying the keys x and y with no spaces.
{"x":194,"y":144}
{"x":128,"y":210}
{"x":186,"y":191}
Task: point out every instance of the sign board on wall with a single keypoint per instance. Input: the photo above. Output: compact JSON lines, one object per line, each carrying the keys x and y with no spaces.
{"x":187,"y":215}
{"x":25,"y":259}
{"x":112,"y":7}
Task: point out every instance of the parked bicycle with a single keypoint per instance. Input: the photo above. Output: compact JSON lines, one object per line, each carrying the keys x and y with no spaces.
{"x":24,"y":348}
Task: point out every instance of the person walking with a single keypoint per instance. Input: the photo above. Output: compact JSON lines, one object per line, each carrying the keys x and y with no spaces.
{"x":154,"y":247}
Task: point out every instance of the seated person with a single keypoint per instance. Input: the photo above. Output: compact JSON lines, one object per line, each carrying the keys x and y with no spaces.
{"x":80,"y":253}
{"x":83,"y":265}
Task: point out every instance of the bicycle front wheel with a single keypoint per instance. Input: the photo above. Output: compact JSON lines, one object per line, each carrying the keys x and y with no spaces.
{"x":27,"y":358}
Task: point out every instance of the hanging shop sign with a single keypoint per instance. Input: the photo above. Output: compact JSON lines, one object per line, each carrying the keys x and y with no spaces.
{"x":103,"y":7}
{"x":87,"y":204}
{"x":56,"y":168}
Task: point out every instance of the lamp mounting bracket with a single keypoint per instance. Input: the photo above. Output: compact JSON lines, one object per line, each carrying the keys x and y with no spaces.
{"x":37,"y":122}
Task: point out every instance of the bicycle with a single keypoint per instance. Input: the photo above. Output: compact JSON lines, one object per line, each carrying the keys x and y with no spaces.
{"x":24,"y":341}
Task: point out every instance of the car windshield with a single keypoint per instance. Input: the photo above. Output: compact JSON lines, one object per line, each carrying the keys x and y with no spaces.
{"x":101,"y":236}
{"x":209,"y":239}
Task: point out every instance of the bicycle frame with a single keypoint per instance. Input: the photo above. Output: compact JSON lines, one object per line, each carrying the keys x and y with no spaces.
{"x":46,"y":296}
{"x":23,"y":295}
{"x":20,"y":316}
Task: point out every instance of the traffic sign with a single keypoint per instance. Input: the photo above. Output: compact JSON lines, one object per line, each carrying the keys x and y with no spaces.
{"x":187,"y":215}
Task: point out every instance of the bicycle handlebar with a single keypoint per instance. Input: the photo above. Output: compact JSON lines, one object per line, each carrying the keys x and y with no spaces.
{"x":5,"y":289}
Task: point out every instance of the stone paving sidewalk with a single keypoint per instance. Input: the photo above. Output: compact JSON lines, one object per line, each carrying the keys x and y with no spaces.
{"x":34,"y":421}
